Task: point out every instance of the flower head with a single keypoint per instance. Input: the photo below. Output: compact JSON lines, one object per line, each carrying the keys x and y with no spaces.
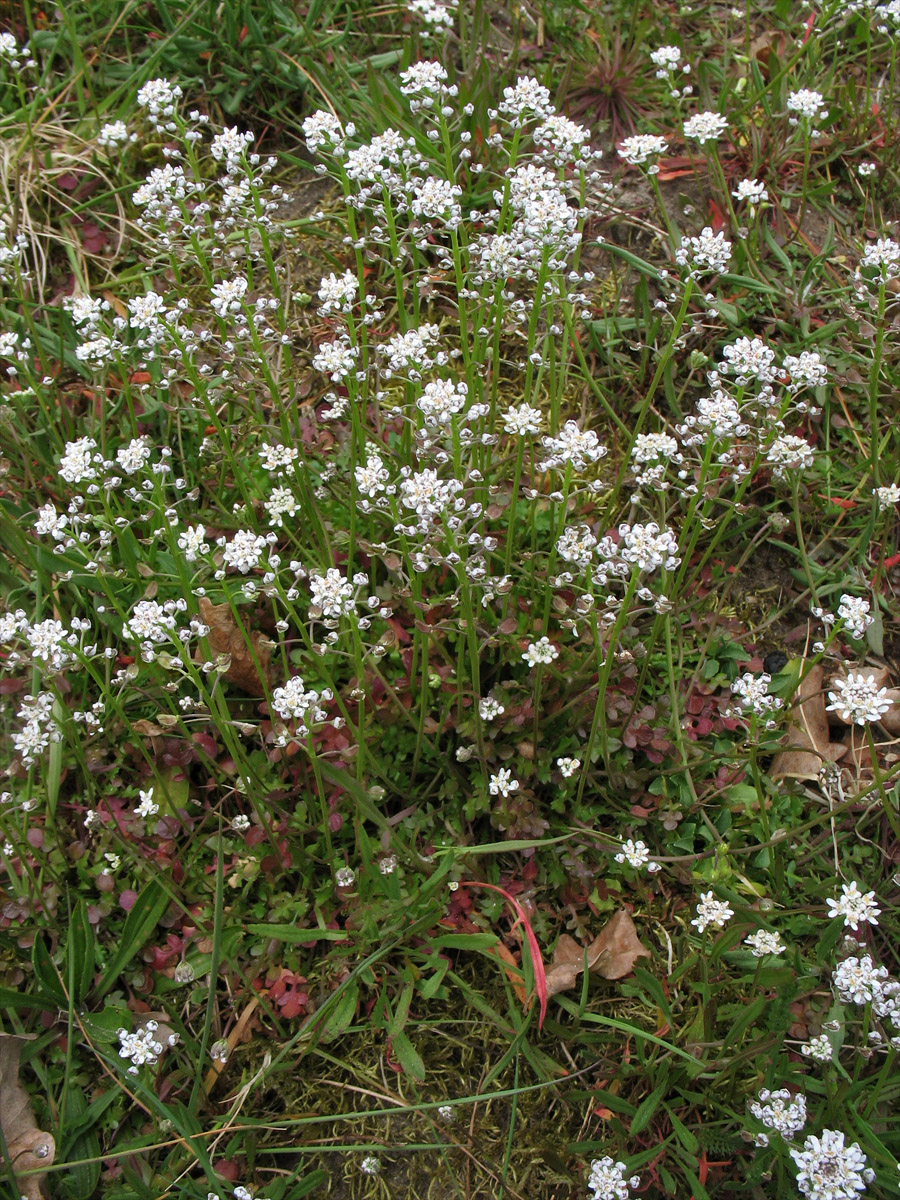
{"x":855,"y":907}
{"x":829,"y":1170}
{"x":858,"y":699}
{"x":712,"y":912}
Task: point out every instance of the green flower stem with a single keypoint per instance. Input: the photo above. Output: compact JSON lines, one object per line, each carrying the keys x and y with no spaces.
{"x":604,"y":668}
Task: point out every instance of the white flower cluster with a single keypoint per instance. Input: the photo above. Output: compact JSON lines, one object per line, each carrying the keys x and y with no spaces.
{"x":830,"y":1170}
{"x":140,"y":1046}
{"x":753,"y":696}
{"x":780,"y":1111}
{"x":856,"y":614}
{"x":858,"y":699}
{"x":436,"y":15}
{"x":855,"y":907}
{"x":705,"y":127}
{"x":707,"y":254}
{"x":641,"y":149}
{"x":809,"y":106}
{"x":712,"y":912}
{"x":859,"y":981}
{"x":607,"y":1180}
{"x":637,"y":855}
{"x":294,"y":702}
{"x":39,"y":729}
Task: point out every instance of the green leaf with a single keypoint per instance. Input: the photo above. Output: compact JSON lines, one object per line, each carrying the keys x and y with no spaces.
{"x":80,"y":953}
{"x":681,"y":1131}
{"x":342,"y":1017}
{"x":80,"y":1181}
{"x":21,"y":1000}
{"x":647,"y":1108}
{"x":139,"y":926}
{"x":408,"y":1057}
{"x":46,"y":973}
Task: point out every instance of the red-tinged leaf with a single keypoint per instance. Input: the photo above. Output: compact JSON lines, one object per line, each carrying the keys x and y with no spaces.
{"x":537,"y":963}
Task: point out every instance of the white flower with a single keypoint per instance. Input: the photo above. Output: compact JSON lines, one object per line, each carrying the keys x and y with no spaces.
{"x":855,"y":907}
{"x":858,"y":699}
{"x":332,"y":593}
{"x":607,"y":1180}
{"x":865,"y":169}
{"x":781,"y":1111}
{"x":789,"y":453}
{"x":230,"y":144}
{"x":294,"y":703}
{"x":227,"y":295}
{"x":524,"y":419}
{"x":502,"y":784}
{"x":858,"y":980}
{"x":52,"y":522}
{"x":240,"y":823}
{"x":148,"y":806}
{"x":752,"y":190}
{"x":712,"y":912}
{"x":748,"y":359}
{"x":883,"y":253}
{"x":323,"y":129}
{"x":338,"y":294}
{"x":753,"y":694}
{"x":133,"y":457}
{"x":818,"y":1048}
{"x":114,"y":134}
{"x":432,"y":13}
{"x":370,"y":1165}
{"x":887,"y":495}
{"x":805,"y":370}
{"x":489,"y":708}
{"x":568,"y":766}
{"x":648,"y":548}
{"x":141,"y":1046}
{"x":244,"y":551}
{"x":424,"y":79}
{"x":829,"y":1170}
{"x":528,"y":98}
{"x":643,"y":146}
{"x":854,"y":612}
{"x":542,"y":651}
{"x":635,"y":854}
{"x":77,"y":464}
{"x":345,"y":877}
{"x":705,"y":126}
{"x":371,"y":478}
{"x":575,"y":446}
{"x":764,"y":942}
{"x":707,"y":253}
{"x":810,"y":105}
{"x":193,"y":542}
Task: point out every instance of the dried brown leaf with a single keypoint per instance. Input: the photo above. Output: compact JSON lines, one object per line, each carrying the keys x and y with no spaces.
{"x":612,"y":954}
{"x":807,"y":737}
{"x":29,"y":1148}
{"x":226,"y":637}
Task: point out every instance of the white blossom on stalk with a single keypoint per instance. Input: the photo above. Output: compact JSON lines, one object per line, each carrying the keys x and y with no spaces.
{"x":789,"y":453}
{"x":540,"y":652}
{"x":573,"y":445}
{"x":338,"y":294}
{"x":324,"y":129}
{"x":439,"y":16}
{"x":855,"y":612}
{"x":764,"y":942}
{"x":781,"y":1111}
{"x":227,"y":295}
{"x":244,"y":551}
{"x":332,"y":594}
{"x":708,"y":253}
{"x":753,"y":191}
{"x":805,"y":370}
{"x":855,"y":907}
{"x":712,"y":912}
{"x":858,"y":980}
{"x":503,"y":784}
{"x":641,"y":148}
{"x":830,"y":1170}
{"x":294,"y":702}
{"x":858,"y":699}
{"x":371,"y":478}
{"x":335,"y":359}
{"x":705,"y":127}
{"x":808,"y":105}
{"x":647,"y":548}
{"x":607,"y":1180}
{"x":527,"y":98}
{"x":141,"y":1046}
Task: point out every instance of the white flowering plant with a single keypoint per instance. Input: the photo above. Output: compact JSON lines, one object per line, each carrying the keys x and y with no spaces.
{"x":413,"y":570}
